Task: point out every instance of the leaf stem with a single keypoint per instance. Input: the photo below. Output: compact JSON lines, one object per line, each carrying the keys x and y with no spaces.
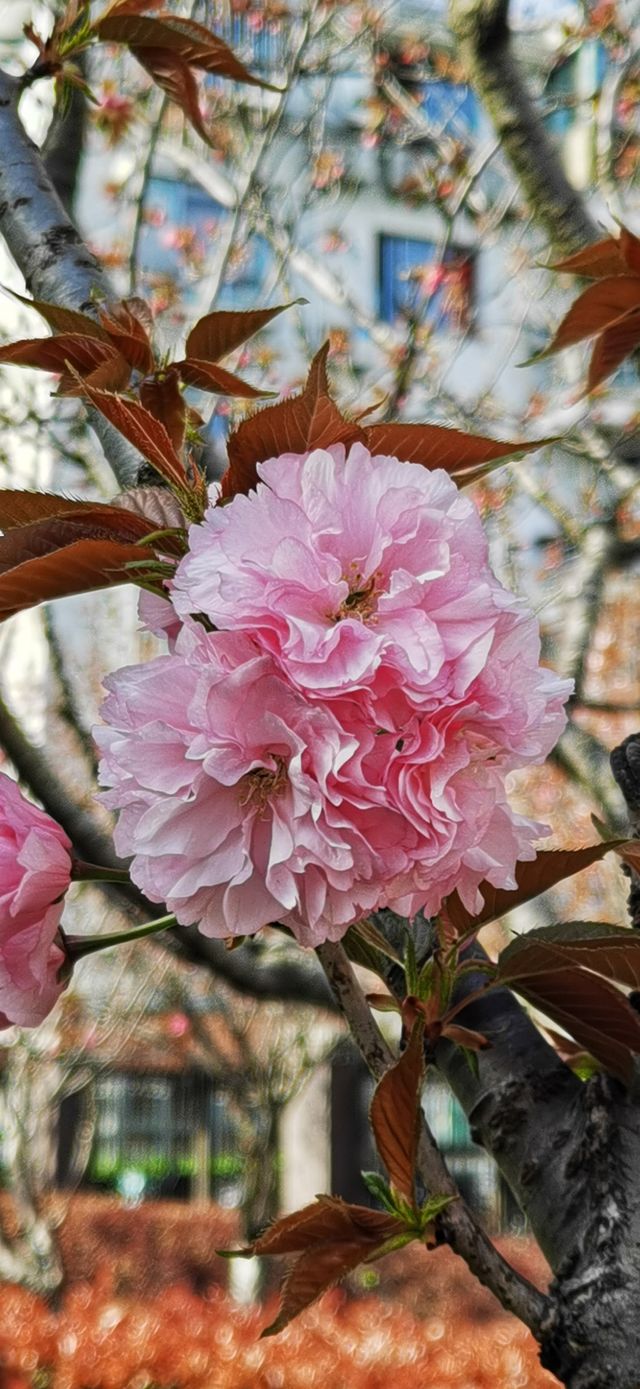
{"x":83,"y":872}
{"x":78,"y":946}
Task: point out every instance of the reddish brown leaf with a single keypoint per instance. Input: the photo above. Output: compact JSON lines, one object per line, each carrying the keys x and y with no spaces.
{"x":219,"y":333}
{"x":333,"y":1238}
{"x":78,"y":568}
{"x":630,"y":250}
{"x":306,"y":421}
{"x":112,"y":375}
{"x":170,"y":72}
{"x":184,"y":39}
{"x":142,"y":430}
{"x":597,"y":308}
{"x":28,"y":509}
{"x":435,"y":446}
{"x":395,"y":1115}
{"x":594,"y":1012}
{"x":594,"y":945}
{"x":327,"y":1220}
{"x":84,"y":354}
{"x":128,"y":334}
{"x":611,"y":348}
{"x":465,"y":1037}
{"x":549,"y":867}
{"x":313,"y":1274}
{"x":62,"y":320}
{"x":597,"y":261}
{"x":207,"y":377}
{"x":162,"y":397}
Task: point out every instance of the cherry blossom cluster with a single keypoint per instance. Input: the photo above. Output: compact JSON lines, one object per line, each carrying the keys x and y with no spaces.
{"x":346,"y":689}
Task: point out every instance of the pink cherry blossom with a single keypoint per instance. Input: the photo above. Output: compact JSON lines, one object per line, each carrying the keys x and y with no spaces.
{"x":342,"y":744}
{"x":345,"y":566}
{"x":35,"y":871}
{"x":242,"y":802}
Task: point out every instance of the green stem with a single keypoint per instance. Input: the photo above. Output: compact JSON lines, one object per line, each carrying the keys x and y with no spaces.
{"x":77,"y":947}
{"x":82,"y":872}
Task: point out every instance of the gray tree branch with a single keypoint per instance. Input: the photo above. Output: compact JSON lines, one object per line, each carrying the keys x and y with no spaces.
{"x":47,"y":248}
{"x":481,"y":28}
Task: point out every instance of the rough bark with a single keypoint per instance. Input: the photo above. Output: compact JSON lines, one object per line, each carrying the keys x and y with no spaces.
{"x":481,"y":28}
{"x":625,"y":765}
{"x":47,"y":248}
{"x":571,"y":1153}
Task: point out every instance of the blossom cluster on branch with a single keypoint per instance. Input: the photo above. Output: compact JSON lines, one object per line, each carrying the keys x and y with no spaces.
{"x":347,"y":688}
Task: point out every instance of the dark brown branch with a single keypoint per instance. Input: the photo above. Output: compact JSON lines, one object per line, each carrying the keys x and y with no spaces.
{"x":625,"y":765}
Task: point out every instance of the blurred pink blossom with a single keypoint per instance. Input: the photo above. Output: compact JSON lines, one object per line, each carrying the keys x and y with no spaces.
{"x":35,"y":871}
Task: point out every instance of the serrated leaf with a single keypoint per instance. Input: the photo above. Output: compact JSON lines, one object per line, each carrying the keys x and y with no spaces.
{"x":162,"y":397}
{"x":379,"y":1189}
{"x":550,"y":866}
{"x":611,"y":348}
{"x":597,"y":261}
{"x":147,"y":434}
{"x":61,"y":319}
{"x":437,"y":446}
{"x":128,"y":333}
{"x":591,"y":1010}
{"x":595,"y":945}
{"x":205,"y":376}
{"x":219,"y":333}
{"x":332,"y":1238}
{"x":83,"y":354}
{"x":395,"y":1115}
{"x":20,"y":510}
{"x":168,"y":48}
{"x":170,"y":72}
{"x":303,"y":422}
{"x":81,"y":567}
{"x":598,"y":307}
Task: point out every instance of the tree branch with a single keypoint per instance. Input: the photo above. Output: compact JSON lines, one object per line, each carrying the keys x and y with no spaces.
{"x":56,"y":264}
{"x":482,"y":30}
{"x":457,"y":1225}
{"x":625,"y":765}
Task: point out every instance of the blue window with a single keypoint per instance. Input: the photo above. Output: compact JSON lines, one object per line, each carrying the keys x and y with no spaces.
{"x":560,"y":97}
{"x":181,"y":221}
{"x":451,"y":107}
{"x":416,"y":280}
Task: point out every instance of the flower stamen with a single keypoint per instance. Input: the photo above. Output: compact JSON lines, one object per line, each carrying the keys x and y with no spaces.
{"x":361,"y":600}
{"x":261,"y":785}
